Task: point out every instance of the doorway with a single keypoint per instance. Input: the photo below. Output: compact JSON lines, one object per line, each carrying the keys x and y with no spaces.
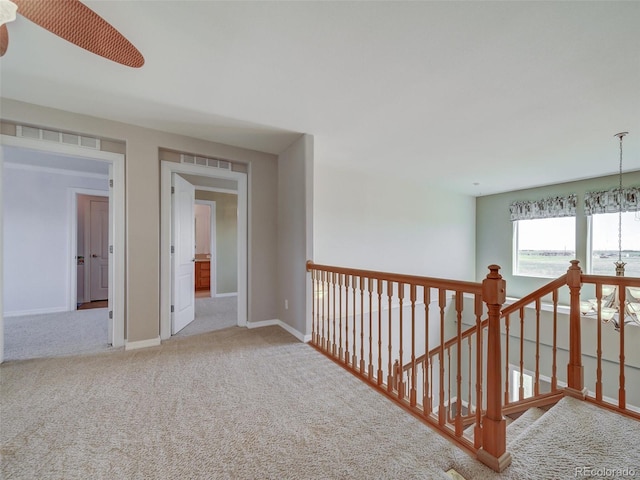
{"x":172,"y":288}
{"x":205,"y":245}
{"x":92,"y":250}
{"x":72,"y":161}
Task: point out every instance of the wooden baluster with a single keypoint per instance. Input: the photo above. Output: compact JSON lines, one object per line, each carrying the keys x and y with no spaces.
{"x":423,"y":369}
{"x":354,"y":357}
{"x":325,"y":312}
{"x":442,"y":301}
{"x":333,"y":297}
{"x":412,"y":379}
{"x":431,"y":385}
{"x":361,"y":325}
{"x":327,"y":294}
{"x":314,"y":329}
{"x":469,"y":399}
{"x":320,"y":340}
{"x":536,"y":385}
{"x":319,"y":331}
{"x":324,"y":285}
{"x":426,"y":401}
{"x":477,"y":431}
{"x":599,"y":344}
{"x":507,"y":392}
{"x":401,"y":387}
{"x":340,"y":282}
{"x":449,"y":419}
{"x":390,"y":372}
{"x":494,"y":427}
{"x":622,"y":396}
{"x":575,"y":370}
{"x":521,"y":387}
{"x":379,"y":291}
{"x":346,"y":320}
{"x":554,"y":367}
{"x":370,"y":288}
{"x":459,"y":307}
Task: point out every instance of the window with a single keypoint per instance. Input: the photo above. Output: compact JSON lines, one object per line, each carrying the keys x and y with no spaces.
{"x":604,"y":243}
{"x":543,"y":247}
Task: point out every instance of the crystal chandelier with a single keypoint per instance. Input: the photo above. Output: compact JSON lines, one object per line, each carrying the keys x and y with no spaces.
{"x":611,"y":309}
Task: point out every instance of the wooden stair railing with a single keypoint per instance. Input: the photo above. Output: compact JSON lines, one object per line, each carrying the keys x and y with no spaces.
{"x":603,"y":345}
{"x":471,"y":337}
{"x":522,"y":307}
{"x":379,"y":326}
{"x":375,"y":323}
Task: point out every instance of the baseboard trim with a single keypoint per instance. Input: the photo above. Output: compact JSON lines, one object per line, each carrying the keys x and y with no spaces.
{"x":284,"y":326}
{"x":152,"y":342}
{"x":220,"y":295}
{"x":37,"y":311}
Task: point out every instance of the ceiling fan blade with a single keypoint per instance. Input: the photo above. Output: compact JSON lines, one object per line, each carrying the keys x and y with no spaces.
{"x":77,"y":23}
{"x":4,"y":39}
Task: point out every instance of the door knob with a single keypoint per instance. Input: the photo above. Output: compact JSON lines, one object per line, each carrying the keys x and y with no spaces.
{"x":94,"y":255}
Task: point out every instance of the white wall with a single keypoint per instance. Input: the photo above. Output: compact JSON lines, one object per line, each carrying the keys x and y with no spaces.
{"x":37,"y":233}
{"x":380,"y":223}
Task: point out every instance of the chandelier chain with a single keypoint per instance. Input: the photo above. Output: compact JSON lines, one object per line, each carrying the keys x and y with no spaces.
{"x":620,"y":204}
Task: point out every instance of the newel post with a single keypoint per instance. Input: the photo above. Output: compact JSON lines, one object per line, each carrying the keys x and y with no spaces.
{"x":575,"y":370}
{"x":494,"y":427}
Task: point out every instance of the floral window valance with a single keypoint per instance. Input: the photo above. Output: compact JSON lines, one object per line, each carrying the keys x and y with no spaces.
{"x":548,"y":208}
{"x":610,"y":201}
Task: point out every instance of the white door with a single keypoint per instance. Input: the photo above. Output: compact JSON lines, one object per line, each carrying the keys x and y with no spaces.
{"x":99,"y":248}
{"x":183,"y":258}
{"x":111,"y":239}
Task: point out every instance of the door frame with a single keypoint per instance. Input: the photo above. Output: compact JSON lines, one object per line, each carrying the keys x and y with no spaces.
{"x":73,"y":221}
{"x":117,"y":160}
{"x":166,"y":170}
{"x":213,"y":284}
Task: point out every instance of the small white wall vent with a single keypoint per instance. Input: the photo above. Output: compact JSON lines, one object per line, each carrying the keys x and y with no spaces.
{"x":205,"y":162}
{"x":57,"y":137}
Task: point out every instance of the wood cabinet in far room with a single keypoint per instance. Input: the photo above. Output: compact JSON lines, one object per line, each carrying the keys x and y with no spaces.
{"x":203,"y":275}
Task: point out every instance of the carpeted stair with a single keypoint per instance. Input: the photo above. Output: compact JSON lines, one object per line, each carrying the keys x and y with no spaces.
{"x":519,"y":426}
{"x":571,"y":435}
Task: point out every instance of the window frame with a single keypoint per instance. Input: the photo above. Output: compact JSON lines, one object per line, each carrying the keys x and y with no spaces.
{"x":515,"y":264}
{"x":589,"y":264}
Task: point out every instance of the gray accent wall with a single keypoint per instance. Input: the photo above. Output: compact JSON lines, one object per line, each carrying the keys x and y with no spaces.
{"x":295,"y":235}
{"x":142,"y":207}
{"x":226,"y":254}
{"x":494,"y":229}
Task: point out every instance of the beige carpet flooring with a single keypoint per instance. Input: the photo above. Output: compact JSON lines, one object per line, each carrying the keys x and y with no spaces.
{"x":85,"y":331}
{"x":253,"y":404}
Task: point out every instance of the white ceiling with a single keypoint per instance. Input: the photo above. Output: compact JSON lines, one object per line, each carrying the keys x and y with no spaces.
{"x":505,"y":94}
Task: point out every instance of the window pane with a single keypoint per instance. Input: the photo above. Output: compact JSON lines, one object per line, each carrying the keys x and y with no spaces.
{"x":604,"y":246}
{"x":545,"y":246}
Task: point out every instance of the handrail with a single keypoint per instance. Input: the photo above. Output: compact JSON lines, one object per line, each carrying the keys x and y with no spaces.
{"x":449,"y":343}
{"x":524,"y":301}
{"x":539,"y":293}
{"x":351,"y":326}
{"x":627,"y":281}
{"x":448,"y":284}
